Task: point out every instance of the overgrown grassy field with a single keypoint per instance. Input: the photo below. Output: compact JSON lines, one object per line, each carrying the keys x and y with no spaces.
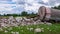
{"x":48,"y":29}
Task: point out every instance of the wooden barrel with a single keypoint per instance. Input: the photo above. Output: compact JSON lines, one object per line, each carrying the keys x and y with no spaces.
{"x":46,"y":13}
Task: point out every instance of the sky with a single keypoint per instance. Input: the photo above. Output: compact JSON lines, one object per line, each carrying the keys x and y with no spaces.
{"x":17,"y":6}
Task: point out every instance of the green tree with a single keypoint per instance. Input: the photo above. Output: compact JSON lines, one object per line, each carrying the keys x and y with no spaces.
{"x":24,"y":13}
{"x":56,"y":7}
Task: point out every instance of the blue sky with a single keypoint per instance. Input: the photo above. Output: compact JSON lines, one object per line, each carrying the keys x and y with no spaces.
{"x":17,"y":6}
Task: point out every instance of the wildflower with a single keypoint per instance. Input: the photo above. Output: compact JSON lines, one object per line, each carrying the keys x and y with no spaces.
{"x":48,"y":28}
{"x":27,"y":28}
{"x":10,"y":28}
{"x":31,"y":29}
{"x":12,"y":32}
{"x":5,"y":31}
{"x":1,"y":29}
{"x":16,"y":32}
{"x":42,"y":28}
{"x":23,"y":24}
{"x":22,"y":30}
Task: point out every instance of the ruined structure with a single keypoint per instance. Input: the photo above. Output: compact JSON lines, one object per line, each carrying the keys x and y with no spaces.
{"x":46,"y":13}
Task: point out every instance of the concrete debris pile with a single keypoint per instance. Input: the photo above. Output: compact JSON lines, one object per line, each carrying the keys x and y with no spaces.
{"x":18,"y":21}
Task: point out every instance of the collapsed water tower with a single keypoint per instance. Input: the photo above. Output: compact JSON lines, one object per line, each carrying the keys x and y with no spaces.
{"x":47,"y":14}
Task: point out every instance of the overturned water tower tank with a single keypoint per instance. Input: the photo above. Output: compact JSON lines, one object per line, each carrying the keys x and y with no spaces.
{"x":46,"y":13}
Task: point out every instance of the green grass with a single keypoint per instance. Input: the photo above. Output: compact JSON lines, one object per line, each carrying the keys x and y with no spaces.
{"x":55,"y":29}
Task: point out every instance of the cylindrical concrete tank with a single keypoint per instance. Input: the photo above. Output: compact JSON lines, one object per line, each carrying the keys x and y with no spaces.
{"x":46,"y":13}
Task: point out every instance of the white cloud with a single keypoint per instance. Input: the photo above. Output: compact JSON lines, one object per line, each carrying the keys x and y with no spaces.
{"x":34,"y":7}
{"x":7,"y":7}
{"x":29,"y":1}
{"x":14,"y":0}
{"x":45,"y":1}
{"x":21,"y":5}
{"x":57,"y":4}
{"x":11,"y":8}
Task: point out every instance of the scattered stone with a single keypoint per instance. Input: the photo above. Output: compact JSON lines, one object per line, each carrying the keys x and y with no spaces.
{"x":41,"y":23}
{"x":38,"y":30}
{"x":49,"y":23}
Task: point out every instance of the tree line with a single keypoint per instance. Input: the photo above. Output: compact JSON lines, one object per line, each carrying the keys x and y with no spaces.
{"x":56,"y":7}
{"x":23,"y":13}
